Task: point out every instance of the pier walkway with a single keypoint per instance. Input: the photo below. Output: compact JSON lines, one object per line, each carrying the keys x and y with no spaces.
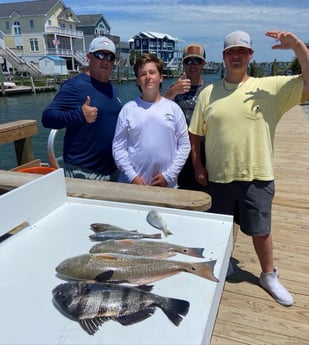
{"x":247,"y":314}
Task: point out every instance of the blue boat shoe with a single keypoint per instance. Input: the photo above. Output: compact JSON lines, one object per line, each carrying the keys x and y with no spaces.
{"x":270,"y":282}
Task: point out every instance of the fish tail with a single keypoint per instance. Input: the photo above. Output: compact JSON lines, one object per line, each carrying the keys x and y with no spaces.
{"x":205,"y":269}
{"x":175,"y":309}
{"x":167,"y":232}
{"x":196,"y":252}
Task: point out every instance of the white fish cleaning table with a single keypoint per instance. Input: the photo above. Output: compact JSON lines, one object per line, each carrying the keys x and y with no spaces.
{"x":58,"y":227}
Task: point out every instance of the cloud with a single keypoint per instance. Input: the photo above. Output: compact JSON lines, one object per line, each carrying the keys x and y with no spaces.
{"x":204,"y":21}
{"x":208,"y":22}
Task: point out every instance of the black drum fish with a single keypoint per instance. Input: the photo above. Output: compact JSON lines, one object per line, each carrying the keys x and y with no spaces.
{"x":92,"y":304}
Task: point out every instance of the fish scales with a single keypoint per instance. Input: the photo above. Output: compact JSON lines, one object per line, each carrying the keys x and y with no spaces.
{"x":145,"y":248}
{"x":121,"y":268}
{"x":92,"y":304}
{"x":121,"y":234}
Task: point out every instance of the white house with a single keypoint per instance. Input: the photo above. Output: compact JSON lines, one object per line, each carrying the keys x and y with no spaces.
{"x":51,"y":65}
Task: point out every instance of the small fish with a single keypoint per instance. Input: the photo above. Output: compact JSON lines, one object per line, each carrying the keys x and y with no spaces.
{"x":145,"y":248}
{"x":120,"y":235}
{"x":155,"y":219}
{"x":132,"y":269}
{"x":100,"y":227}
{"x":92,"y":304}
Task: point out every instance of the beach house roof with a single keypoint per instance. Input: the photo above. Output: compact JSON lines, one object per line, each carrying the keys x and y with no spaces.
{"x":38,"y":7}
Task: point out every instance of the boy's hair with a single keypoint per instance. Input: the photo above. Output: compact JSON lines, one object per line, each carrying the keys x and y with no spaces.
{"x":145,"y":58}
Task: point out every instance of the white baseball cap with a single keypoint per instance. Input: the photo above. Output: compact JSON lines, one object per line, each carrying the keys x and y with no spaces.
{"x":102,"y":43}
{"x":237,"y":39}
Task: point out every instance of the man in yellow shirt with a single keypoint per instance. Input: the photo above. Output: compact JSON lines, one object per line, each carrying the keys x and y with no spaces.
{"x":238,"y":117}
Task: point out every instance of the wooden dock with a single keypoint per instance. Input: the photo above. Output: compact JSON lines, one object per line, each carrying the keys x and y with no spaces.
{"x":247,"y":314}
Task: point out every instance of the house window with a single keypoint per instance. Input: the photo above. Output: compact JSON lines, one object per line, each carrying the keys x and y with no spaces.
{"x":7,"y":26}
{"x":100,"y":30}
{"x":49,"y":22}
{"x":31,"y":24}
{"x":34,"y":45}
{"x":17,"y":29}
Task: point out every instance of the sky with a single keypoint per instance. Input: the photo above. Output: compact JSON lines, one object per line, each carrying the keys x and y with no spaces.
{"x":205,"y":22}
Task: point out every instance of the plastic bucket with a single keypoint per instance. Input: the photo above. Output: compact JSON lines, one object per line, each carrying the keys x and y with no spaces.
{"x":37,"y":170}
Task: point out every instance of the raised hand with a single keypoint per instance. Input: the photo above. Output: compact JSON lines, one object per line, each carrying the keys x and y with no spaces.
{"x":89,"y":112}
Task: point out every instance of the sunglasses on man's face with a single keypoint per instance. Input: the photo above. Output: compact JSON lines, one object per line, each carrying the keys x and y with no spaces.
{"x":193,"y":61}
{"x":101,"y":56}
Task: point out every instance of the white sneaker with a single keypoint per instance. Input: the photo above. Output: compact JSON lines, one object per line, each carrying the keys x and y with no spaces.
{"x":270,"y":282}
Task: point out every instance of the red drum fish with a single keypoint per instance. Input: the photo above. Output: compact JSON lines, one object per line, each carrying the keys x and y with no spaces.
{"x":149,"y":248}
{"x":132,"y":269}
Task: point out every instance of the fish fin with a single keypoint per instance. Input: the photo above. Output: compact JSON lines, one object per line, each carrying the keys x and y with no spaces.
{"x":175,"y":309}
{"x":138,"y":316}
{"x":108,"y":256}
{"x":145,"y":287}
{"x":104,"y":276}
{"x":158,"y":235}
{"x":126,"y":241}
{"x":91,"y":326}
{"x":167,"y":232}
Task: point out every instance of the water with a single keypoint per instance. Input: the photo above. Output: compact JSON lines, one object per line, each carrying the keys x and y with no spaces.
{"x":30,"y":107}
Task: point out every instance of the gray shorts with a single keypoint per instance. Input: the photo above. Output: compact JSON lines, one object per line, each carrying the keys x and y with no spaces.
{"x":249,"y":202}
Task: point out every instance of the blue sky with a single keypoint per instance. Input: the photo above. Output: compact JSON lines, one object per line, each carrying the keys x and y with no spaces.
{"x":206,"y":22}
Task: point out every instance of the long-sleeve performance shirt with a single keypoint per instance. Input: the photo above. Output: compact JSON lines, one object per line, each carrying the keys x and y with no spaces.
{"x":151,"y":138}
{"x":88,"y":145}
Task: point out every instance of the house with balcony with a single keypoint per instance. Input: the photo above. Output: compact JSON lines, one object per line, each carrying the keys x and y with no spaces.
{"x":161,"y":44}
{"x":95,"y":25}
{"x":31,"y":30}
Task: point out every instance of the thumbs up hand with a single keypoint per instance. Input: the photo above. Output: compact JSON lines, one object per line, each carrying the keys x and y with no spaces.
{"x":89,"y":112}
{"x":182,"y":85}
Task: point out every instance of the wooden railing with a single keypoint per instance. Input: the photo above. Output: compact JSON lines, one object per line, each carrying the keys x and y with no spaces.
{"x":20,"y":133}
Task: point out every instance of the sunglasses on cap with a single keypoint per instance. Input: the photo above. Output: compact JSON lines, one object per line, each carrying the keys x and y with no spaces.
{"x":192,"y":61}
{"x":101,"y":56}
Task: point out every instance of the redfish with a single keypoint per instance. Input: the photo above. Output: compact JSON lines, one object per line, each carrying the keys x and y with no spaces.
{"x":149,"y":248}
{"x":132,"y":269}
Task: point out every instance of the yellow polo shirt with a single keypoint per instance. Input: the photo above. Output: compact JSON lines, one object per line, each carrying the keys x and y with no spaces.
{"x":239,"y":122}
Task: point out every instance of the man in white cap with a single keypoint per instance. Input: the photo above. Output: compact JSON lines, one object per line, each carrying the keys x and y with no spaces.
{"x":88,"y":106}
{"x":185,"y":92}
{"x":238,"y":117}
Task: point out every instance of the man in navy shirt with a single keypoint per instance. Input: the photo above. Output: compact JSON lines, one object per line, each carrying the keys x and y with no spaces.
{"x":87,"y":106}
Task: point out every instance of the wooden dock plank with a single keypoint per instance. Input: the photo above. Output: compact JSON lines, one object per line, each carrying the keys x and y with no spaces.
{"x":248,"y":314}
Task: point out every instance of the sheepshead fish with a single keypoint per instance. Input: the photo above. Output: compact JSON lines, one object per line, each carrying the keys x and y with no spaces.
{"x":100,"y":227}
{"x":155,"y":219}
{"x":149,"y":248}
{"x":129,"y":269}
{"x":120,"y":235}
{"x":92,"y":304}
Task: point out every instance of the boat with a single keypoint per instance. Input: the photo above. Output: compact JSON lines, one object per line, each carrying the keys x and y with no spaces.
{"x":9,"y":85}
{"x":211,"y":68}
